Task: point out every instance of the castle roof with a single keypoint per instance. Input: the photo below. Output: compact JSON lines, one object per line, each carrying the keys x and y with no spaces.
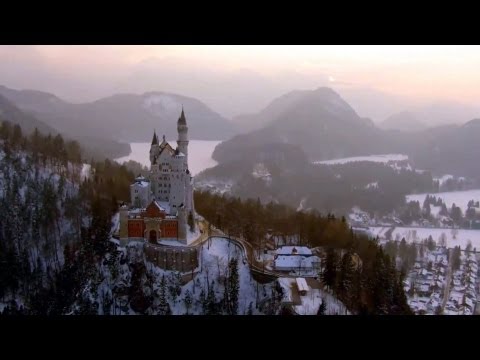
{"x":155,"y":138}
{"x":294,"y":250}
{"x":167,"y":147}
{"x":160,"y":207}
{"x":181,"y":119}
{"x":164,"y":143}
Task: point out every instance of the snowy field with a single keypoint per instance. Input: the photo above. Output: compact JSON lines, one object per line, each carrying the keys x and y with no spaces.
{"x":373,"y":158}
{"x":457,"y":237}
{"x":199,"y":154}
{"x":460,"y":198}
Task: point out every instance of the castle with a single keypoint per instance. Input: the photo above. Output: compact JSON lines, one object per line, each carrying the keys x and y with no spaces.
{"x":162,"y":204}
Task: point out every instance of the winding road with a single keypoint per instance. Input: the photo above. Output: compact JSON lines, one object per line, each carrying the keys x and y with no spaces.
{"x":247,"y":249}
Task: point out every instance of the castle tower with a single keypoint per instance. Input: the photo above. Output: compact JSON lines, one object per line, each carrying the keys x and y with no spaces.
{"x":182,"y":141}
{"x":177,"y":182}
{"x":182,"y":224}
{"x":154,"y":148}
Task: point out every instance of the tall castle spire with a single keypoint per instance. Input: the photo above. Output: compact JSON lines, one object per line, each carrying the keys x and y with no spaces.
{"x":155,"y":139}
{"x":181,"y":119}
{"x":182,"y":140}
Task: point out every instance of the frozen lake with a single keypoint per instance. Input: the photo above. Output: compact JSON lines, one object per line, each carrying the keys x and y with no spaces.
{"x":199,"y":154}
{"x":373,"y":158}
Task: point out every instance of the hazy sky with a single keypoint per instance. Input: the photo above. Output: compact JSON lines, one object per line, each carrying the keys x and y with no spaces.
{"x":239,"y":79}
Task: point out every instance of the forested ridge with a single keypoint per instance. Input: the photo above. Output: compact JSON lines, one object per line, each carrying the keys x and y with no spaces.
{"x":54,"y":219}
{"x":371,"y":286}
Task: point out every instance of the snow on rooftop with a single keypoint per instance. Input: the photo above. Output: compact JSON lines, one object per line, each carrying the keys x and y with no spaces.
{"x":310,"y":303}
{"x":293,"y":262}
{"x":143,"y":184}
{"x":291,"y":250}
{"x":302,"y":284}
{"x":164,"y":205}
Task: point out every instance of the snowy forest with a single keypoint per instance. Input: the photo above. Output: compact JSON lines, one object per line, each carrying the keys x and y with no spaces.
{"x":369,"y":286}
{"x":57,"y":254}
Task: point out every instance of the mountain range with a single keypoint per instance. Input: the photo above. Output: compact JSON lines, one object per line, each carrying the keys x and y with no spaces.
{"x":93,"y":146}
{"x":325,"y":126}
{"x":122,"y":117}
{"x":319,"y":121}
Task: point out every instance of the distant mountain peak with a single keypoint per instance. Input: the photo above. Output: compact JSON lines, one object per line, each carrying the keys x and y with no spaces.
{"x":126,"y":116}
{"x":403,"y":121}
{"x":473,"y":122}
{"x":326,"y":90}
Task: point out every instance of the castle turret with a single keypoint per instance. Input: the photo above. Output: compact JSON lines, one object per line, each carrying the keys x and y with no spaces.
{"x":154,"y":148}
{"x":177,"y":181}
{"x":182,"y":224}
{"x":182,"y":141}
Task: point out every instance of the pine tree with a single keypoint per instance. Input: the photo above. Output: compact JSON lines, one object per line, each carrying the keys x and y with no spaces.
{"x":163,"y":306}
{"x":211,"y":302}
{"x":346,"y":275}
{"x":322,"y":308}
{"x":233,"y":287}
{"x":250,"y":309}
{"x":329,"y":275}
{"x":188,"y":300}
{"x":203,"y":301}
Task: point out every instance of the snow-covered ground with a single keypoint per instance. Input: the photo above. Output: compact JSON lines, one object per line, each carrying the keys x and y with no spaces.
{"x":453,"y":237}
{"x":199,"y":154}
{"x":312,"y":300}
{"x":116,"y":223}
{"x":374,"y":158}
{"x":215,"y":255}
{"x":441,"y":180}
{"x":372,"y":185}
{"x":261,"y":172}
{"x":85,"y":173}
{"x":358,"y":216}
{"x":460,"y":198}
